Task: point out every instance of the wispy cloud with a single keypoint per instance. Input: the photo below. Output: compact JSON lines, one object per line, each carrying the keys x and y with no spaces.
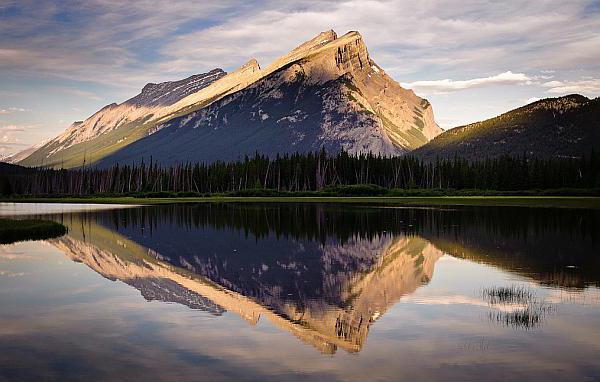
{"x":11,"y":110}
{"x":6,"y":273}
{"x":103,"y":41}
{"x":586,"y":86}
{"x":448,"y":85}
{"x":11,"y":137}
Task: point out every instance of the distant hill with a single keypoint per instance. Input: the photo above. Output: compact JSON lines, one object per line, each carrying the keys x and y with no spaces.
{"x":326,"y":93}
{"x":19,"y":156}
{"x":567,"y":126}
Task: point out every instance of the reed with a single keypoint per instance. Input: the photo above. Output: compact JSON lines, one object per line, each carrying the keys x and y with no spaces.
{"x":513,"y":294}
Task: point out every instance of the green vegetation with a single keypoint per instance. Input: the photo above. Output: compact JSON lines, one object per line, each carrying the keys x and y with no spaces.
{"x":316,"y":172}
{"x":19,"y":230}
{"x":318,"y":177}
{"x":413,"y":137}
{"x":350,"y":85}
{"x":91,"y":151}
{"x":419,"y":123}
{"x":551,"y":128}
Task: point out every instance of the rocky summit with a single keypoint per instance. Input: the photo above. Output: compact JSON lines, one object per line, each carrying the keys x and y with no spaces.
{"x":326,"y":93}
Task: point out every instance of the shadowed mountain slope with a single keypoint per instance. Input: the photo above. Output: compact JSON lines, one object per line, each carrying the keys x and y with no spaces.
{"x":563,"y":127}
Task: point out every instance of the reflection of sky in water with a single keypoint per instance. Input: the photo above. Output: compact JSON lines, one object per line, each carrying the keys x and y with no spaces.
{"x":59,"y":317}
{"x":22,"y":209}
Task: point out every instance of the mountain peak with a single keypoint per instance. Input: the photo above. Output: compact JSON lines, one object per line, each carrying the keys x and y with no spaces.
{"x":352,"y":34}
{"x":558,"y":104}
{"x":169,"y":92}
{"x":319,"y":40}
{"x":252,"y":64}
{"x":152,"y":86}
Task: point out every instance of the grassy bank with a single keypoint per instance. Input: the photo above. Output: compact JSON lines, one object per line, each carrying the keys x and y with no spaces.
{"x":514,"y":201}
{"x":19,"y":230}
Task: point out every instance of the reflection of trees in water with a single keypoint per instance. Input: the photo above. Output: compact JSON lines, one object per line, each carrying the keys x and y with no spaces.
{"x":558,"y":247}
{"x":321,"y":221}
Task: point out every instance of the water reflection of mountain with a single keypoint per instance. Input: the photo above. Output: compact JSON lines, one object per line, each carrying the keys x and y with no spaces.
{"x":323,"y":272}
{"x":559,"y":247}
{"x":326,"y":293}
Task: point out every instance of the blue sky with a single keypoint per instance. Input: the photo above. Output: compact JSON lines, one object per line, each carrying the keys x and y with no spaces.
{"x":61,"y":61}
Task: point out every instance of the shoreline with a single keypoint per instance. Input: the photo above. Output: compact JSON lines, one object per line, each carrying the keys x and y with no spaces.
{"x":584,"y":202}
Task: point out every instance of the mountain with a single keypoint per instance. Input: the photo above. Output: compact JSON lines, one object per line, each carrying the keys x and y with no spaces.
{"x":326,"y":93}
{"x":117,"y":125}
{"x":563,"y":127}
{"x":16,"y":158}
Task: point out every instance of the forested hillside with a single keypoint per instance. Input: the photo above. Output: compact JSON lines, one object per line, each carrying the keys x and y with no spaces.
{"x":564,"y":127}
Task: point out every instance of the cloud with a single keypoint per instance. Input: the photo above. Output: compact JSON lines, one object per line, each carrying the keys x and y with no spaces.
{"x":5,"y":128}
{"x":585,"y":86}
{"x":11,"y":110}
{"x":101,"y":41}
{"x":7,"y":138}
{"x":6,"y":273}
{"x":460,"y":300}
{"x":406,"y":38}
{"x":11,"y":138}
{"x":128,"y":44}
{"x":532,"y":99}
{"x":448,"y":85}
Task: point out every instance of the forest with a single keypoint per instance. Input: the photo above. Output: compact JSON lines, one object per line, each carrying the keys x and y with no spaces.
{"x":340,"y":174}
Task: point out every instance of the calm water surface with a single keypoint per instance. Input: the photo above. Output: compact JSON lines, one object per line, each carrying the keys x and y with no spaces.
{"x":303,"y":292}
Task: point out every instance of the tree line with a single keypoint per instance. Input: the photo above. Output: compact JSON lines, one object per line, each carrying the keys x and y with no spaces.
{"x":308,"y":172}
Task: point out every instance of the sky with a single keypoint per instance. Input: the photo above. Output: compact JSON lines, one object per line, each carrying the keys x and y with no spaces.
{"x":60,"y":61}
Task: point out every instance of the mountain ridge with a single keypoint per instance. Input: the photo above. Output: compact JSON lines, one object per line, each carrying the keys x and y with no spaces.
{"x":561,"y":127}
{"x":354,"y":106}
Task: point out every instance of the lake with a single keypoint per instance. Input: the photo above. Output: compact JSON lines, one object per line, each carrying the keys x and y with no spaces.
{"x":303,"y":292}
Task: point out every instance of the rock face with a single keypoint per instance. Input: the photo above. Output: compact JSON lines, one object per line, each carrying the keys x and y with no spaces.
{"x":326,"y":93}
{"x":563,"y":127}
